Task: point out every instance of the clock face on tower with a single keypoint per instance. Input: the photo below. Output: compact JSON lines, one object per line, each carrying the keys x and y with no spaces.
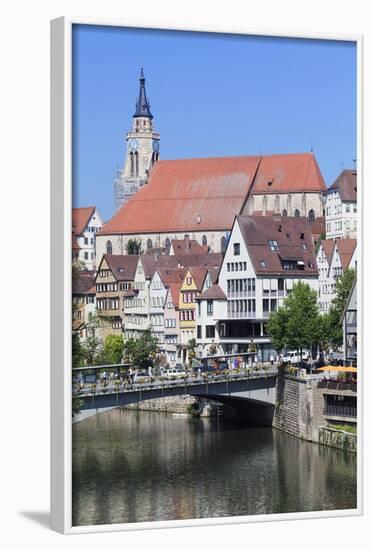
{"x":155,"y":146}
{"x":133,"y":145}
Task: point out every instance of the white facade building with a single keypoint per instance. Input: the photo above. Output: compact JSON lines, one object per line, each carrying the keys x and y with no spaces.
{"x":341,"y":207}
{"x":265,"y":257}
{"x":332,"y":259}
{"x":86,"y":223}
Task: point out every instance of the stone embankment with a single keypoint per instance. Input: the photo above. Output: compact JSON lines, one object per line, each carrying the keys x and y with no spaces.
{"x":299,"y":411}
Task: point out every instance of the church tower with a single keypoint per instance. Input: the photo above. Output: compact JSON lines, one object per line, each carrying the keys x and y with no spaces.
{"x":142,"y":150}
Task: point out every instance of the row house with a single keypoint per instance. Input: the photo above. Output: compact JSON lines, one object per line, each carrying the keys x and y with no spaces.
{"x":137,"y":306}
{"x":265,"y":257}
{"x":341,"y":207}
{"x":86,"y":223}
{"x":172,"y":324}
{"x":350,"y":326}
{"x":114,"y":283}
{"x":83,"y":303}
{"x":333,"y":258}
{"x":160,"y":302}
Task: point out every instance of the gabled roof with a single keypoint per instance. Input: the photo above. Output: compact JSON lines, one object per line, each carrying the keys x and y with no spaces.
{"x":345,"y":249}
{"x":151,"y":263}
{"x":123,"y":267}
{"x":286,"y":173}
{"x":204,"y":194}
{"x":318,"y":226}
{"x":198,"y":274}
{"x":80,"y":218}
{"x":215,"y":292}
{"x":294,"y":242}
{"x":83,"y":283}
{"x":187,"y":246}
{"x":175,"y":289}
{"x":346,"y":185}
{"x":328,"y":247}
{"x":171,"y":275}
{"x":187,"y":195}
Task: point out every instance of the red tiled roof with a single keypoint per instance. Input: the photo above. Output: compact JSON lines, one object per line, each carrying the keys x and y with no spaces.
{"x":206,"y":193}
{"x":123,"y":267}
{"x":80,"y":218}
{"x":215,"y":292}
{"x":288,"y":173}
{"x":346,"y":185}
{"x":198,"y":274}
{"x":83,"y":283}
{"x":172,"y":275}
{"x":346,"y":249}
{"x":175,"y":292}
{"x":328,"y":246}
{"x":290,"y":234}
{"x":187,"y":195}
{"x":187,"y":246}
{"x":318,"y":226}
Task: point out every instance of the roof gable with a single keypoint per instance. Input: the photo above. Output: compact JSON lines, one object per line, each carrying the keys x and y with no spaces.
{"x":346,"y":185}
{"x":81,"y":218}
{"x":275,"y":242}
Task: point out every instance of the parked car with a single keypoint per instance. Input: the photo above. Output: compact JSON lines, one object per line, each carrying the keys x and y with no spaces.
{"x":173,"y":372}
{"x":142,"y":376}
{"x":293,"y":358}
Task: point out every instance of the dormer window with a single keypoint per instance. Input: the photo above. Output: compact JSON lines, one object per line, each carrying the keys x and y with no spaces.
{"x":263,"y":263}
{"x":273,"y":246}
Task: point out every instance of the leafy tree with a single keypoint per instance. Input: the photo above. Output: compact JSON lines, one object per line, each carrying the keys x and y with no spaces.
{"x":191,"y":350}
{"x":141,"y":352}
{"x":133,"y":247}
{"x":332,"y":320}
{"x":296,"y":325}
{"x":77,"y":352}
{"x":113,"y":349}
{"x":91,"y":349}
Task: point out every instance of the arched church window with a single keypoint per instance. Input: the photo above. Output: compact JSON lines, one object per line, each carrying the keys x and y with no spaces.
{"x":223,"y":244}
{"x":311,"y":216}
{"x":149,"y":244}
{"x":167,"y":243}
{"x":284,"y":213}
{"x":137,"y":164}
{"x":109,"y":247}
{"x":204,"y":240}
{"x":131,"y":164}
{"x":297,"y":213}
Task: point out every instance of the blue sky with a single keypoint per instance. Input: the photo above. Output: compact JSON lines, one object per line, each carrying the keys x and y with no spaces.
{"x":211,"y":95}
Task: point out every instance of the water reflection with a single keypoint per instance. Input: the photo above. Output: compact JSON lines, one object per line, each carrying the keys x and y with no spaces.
{"x":130,"y":467}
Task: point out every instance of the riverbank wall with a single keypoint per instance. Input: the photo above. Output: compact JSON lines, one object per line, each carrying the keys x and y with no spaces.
{"x":176,"y":404}
{"x":299,"y":411}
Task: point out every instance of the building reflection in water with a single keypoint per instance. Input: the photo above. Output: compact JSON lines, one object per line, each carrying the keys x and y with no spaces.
{"x":130,"y":467}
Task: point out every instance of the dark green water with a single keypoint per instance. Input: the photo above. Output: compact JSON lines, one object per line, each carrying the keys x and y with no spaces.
{"x":130,"y":467}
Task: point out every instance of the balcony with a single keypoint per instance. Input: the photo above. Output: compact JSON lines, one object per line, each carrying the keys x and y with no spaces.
{"x":241,"y":315}
{"x":345,"y":412}
{"x":241,"y":294}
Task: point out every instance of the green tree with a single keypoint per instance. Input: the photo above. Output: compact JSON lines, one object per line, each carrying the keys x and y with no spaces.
{"x":332,"y":319}
{"x":296,"y":325}
{"x":133,"y":247}
{"x":92,"y":349}
{"x":141,"y":352}
{"x":113,"y":349}
{"x":77,"y":352}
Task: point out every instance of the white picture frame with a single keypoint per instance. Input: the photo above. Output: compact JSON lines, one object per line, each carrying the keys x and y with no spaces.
{"x":61,"y":204}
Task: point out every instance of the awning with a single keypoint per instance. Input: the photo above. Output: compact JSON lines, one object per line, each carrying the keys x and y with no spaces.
{"x":336,"y":369}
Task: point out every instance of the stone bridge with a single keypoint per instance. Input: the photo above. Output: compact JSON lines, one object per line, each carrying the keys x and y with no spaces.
{"x":254,"y":391}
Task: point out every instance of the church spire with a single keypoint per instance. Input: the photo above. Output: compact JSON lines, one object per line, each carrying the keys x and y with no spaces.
{"x":142,"y":105}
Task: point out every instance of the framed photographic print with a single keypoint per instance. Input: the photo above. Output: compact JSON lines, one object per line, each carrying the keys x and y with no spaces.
{"x":206,"y":288}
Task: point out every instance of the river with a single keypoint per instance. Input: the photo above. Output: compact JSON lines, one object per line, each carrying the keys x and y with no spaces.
{"x":133,"y":466}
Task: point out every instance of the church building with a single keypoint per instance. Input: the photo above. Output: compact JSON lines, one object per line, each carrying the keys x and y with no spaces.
{"x":199,"y":198}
